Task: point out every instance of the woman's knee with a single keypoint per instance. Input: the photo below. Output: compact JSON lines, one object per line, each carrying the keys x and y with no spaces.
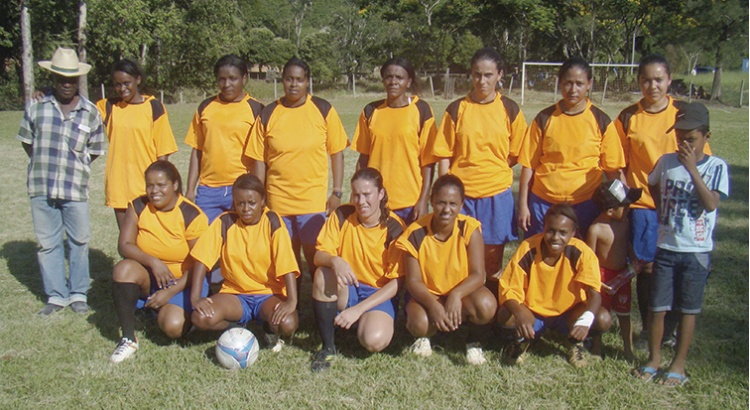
{"x":173,"y":323}
{"x":288,"y":326}
{"x":603,"y":320}
{"x":128,"y":271}
{"x":417,"y":322}
{"x":483,"y":306}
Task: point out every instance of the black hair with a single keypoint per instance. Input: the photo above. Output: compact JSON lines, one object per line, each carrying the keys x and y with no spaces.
{"x":653,"y":59}
{"x":231,"y":60}
{"x":446,"y":181}
{"x":128,"y":67}
{"x":406,"y":65}
{"x":251,"y":183}
{"x":168,"y":168}
{"x":564,"y":209}
{"x":489,"y":54}
{"x":575,"y":62}
{"x":294,"y":61}
{"x":373,"y":175}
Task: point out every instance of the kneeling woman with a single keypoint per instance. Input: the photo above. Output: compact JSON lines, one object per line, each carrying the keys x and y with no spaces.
{"x":158,"y":231}
{"x":358,"y":275}
{"x":445,"y":272}
{"x":257,"y":263}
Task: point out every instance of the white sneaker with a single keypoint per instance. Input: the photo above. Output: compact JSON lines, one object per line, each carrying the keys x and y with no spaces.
{"x":275,"y":342}
{"x":124,"y":350}
{"x":474,"y":354}
{"x":421,"y":347}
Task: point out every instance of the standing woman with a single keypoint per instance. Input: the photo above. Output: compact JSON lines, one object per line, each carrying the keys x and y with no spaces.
{"x":291,"y":145}
{"x":646,"y":133}
{"x":392,"y":136}
{"x":157,"y":234}
{"x":479,"y":140}
{"x":567,"y":149}
{"x":359,"y":269}
{"x":444,"y":260}
{"x":139,"y":133}
{"x":218,"y":135}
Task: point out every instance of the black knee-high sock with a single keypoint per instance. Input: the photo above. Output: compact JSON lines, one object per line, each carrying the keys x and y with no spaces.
{"x":325,"y":313}
{"x":642,"y":287}
{"x":125,"y":296}
{"x":477,"y":333}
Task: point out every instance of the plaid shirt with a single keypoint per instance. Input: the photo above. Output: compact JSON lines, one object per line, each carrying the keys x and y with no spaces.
{"x":60,"y":162}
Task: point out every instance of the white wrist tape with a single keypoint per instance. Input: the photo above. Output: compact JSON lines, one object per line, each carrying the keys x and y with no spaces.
{"x":586,"y":319}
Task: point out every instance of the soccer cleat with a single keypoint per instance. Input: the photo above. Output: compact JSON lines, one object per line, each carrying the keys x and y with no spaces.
{"x":421,"y":347}
{"x":474,"y":354}
{"x":124,"y":350}
{"x":577,"y":355}
{"x":322,"y":360}
{"x":80,"y":307}
{"x":275,"y":343}
{"x":516,"y":353}
{"x":49,"y":309}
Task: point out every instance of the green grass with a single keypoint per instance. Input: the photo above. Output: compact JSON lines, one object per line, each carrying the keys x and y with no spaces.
{"x":62,"y":361}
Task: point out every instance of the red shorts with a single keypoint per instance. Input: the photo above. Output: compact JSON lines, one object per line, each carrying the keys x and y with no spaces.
{"x":619,"y":302}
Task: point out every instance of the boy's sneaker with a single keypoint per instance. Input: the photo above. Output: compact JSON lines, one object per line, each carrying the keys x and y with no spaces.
{"x":474,"y":354}
{"x":669,"y":341}
{"x":124,"y":350}
{"x":577,"y":354}
{"x":516,"y":353}
{"x":49,"y":309}
{"x":322,"y":360}
{"x":275,"y":343}
{"x":422,"y":347}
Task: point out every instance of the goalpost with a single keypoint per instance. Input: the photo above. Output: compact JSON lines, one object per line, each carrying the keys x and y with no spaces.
{"x":539,"y":80}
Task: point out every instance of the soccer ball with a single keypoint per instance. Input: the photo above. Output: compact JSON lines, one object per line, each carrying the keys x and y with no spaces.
{"x":237,"y":348}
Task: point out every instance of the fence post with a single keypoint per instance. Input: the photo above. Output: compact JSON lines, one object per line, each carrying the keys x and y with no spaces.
{"x":104,"y":96}
{"x":311,"y":87}
{"x":690,"y":91}
{"x":354,"y":86}
{"x":523,"y":81}
{"x":432,"y":87}
{"x":181,"y":100}
{"x":161,"y":92}
{"x":604,"y":90}
{"x":742,"y":91}
{"x":275,"y":92}
{"x":510,"y":86}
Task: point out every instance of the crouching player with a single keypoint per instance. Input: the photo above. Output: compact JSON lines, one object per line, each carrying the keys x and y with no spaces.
{"x":359,"y":270}
{"x":257,"y":263}
{"x":608,"y":237}
{"x":551,"y":282}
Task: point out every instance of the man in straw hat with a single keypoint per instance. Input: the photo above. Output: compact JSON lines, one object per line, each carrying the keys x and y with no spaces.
{"x":62,"y":134}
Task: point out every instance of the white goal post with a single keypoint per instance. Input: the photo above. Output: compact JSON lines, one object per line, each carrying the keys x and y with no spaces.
{"x":545,"y":77}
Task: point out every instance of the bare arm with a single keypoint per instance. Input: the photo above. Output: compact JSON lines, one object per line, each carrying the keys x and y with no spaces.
{"x":362,"y":161}
{"x":420,"y":208}
{"x":259,"y":170}
{"x":444,"y":165}
{"x":194,"y":171}
{"x":28,"y":148}
{"x":129,"y":249}
{"x":524,"y":187}
{"x":337,"y":168}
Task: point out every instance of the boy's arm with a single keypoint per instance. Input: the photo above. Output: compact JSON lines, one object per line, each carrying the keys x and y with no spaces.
{"x":582,"y":326}
{"x":708,"y":199}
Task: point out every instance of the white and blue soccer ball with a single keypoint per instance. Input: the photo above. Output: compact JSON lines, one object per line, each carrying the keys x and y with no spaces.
{"x":237,"y":348}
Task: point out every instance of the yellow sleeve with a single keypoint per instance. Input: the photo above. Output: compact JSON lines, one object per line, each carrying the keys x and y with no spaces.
{"x":336,"y":140}
{"x":208,"y":247}
{"x":588,"y":269}
{"x":282,"y":254}
{"x":517,"y":135}
{"x":163,"y":136}
{"x":256,"y":142}
{"x":194,"y":137}
{"x":197,"y":227}
{"x":403,"y":244}
{"x":612,"y":157}
{"x":511,"y":284}
{"x":101,"y":105}
{"x":445,"y":137}
{"x":427,"y":134}
{"x":362,"y":141}
{"x":531,"y":149}
{"x":329,"y":237}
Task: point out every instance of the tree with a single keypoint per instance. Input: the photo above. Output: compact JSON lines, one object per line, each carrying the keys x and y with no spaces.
{"x":27,"y":55}
{"x":83,"y":84}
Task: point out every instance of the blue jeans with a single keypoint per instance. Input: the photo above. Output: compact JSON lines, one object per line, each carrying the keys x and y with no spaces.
{"x":52,"y":218}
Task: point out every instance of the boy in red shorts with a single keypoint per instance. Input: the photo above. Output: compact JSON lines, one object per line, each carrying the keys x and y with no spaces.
{"x":608,"y":237}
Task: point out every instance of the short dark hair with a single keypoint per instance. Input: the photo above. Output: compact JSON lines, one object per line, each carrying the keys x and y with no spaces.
{"x":575,"y":62}
{"x":294,"y":61}
{"x":489,"y":54}
{"x":169,"y":169}
{"x":406,"y":65}
{"x":653,"y":59}
{"x":251,"y":183}
{"x":128,"y":67}
{"x":446,"y":181}
{"x":231,"y":60}
{"x":563,"y":209}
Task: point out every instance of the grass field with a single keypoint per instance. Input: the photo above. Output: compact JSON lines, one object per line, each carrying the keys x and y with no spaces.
{"x":62,"y":361}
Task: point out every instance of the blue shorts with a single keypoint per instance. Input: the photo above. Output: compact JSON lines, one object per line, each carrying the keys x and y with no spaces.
{"x":678,"y":281}
{"x":644,"y":230}
{"x":214,"y":201}
{"x":586,"y":212}
{"x":404,"y":213}
{"x":251,"y":305}
{"x":358,"y":294}
{"x":306,"y":227}
{"x":556,"y":323}
{"x":497,"y":214}
{"x":181,"y":299}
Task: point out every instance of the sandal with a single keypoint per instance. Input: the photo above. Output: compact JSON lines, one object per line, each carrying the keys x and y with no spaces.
{"x":644,"y":373}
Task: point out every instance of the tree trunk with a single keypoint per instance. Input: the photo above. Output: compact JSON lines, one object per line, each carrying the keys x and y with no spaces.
{"x":719,"y":57}
{"x":83,"y":84}
{"x":27,"y":53}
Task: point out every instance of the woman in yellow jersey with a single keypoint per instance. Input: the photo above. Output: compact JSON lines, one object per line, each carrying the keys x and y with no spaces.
{"x":646,"y":133}
{"x":257,"y":263}
{"x":444,"y":261}
{"x":392,"y":136}
{"x":290,"y":145}
{"x":156,"y":236}
{"x":567,"y":149}
{"x":359,"y":270}
{"x":478,"y":140}
{"x":139,"y":133}
{"x":218,"y":134}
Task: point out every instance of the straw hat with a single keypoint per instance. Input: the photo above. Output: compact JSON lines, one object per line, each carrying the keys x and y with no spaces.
{"x":65,"y":63}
